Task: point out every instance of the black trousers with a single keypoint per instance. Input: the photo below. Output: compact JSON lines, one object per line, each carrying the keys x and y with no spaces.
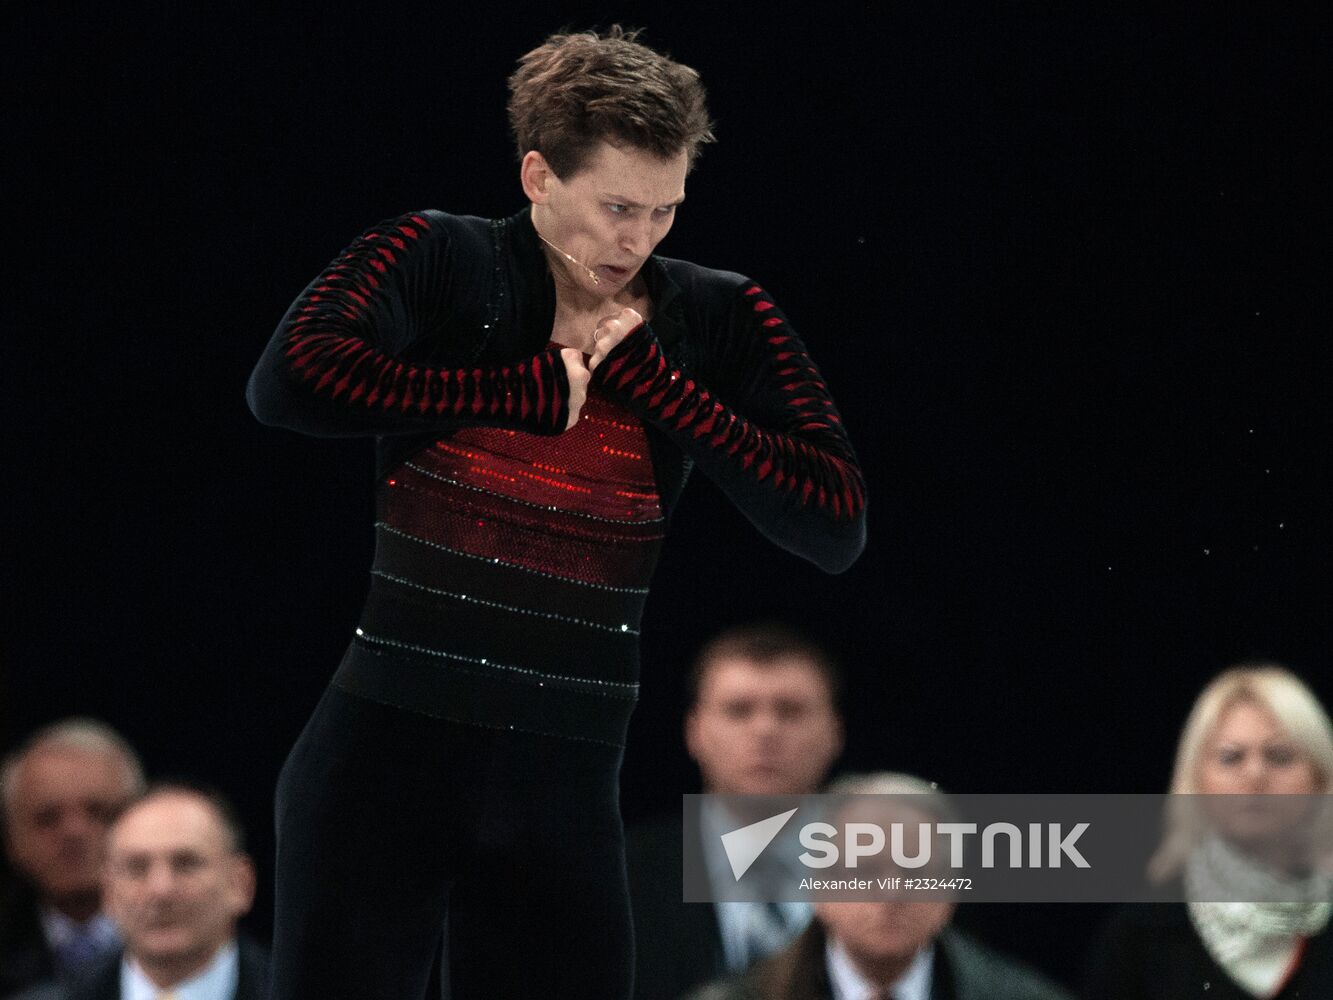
{"x":389,"y":821}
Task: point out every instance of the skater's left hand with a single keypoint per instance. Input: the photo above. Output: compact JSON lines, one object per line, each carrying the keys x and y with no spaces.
{"x":610,"y":332}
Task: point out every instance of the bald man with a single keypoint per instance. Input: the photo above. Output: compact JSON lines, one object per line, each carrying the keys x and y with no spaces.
{"x":59,"y":793}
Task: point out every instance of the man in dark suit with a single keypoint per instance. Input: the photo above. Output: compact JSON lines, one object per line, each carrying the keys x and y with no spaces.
{"x":177,"y":880}
{"x":957,"y":968}
{"x":60,"y":792}
{"x":889,"y":949}
{"x":763,"y":720}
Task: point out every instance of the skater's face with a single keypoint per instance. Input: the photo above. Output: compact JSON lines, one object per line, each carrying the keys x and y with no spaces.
{"x":763,"y":728}
{"x":175,"y":883}
{"x":58,"y":808}
{"x":609,"y":215}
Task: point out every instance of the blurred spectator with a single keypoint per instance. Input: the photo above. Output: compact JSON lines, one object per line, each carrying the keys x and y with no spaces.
{"x":763,"y":720}
{"x":60,"y":792}
{"x":176,"y":882}
{"x":1254,"y":730}
{"x":890,"y":950}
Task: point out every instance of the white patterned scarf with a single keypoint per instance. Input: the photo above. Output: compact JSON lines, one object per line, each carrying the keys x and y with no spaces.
{"x":1254,"y":942}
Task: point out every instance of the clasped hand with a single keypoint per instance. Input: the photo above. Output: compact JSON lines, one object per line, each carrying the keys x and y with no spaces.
{"x":611,"y":330}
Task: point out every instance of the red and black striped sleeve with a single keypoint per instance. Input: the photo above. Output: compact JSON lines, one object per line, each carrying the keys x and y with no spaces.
{"x":344,"y":361}
{"x":777,"y":447}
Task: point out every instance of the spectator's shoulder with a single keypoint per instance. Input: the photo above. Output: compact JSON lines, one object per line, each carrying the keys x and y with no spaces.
{"x":1140,"y":943}
{"x":51,"y":990}
{"x":101,"y":982}
{"x":729,"y":988}
{"x":979,"y":971}
{"x":254,"y":980}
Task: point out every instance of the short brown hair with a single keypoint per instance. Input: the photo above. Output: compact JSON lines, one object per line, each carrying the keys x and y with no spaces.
{"x":576,"y":89}
{"x":764,"y":643}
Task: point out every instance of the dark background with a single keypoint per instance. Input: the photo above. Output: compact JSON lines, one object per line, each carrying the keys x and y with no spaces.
{"x":1067,"y":273}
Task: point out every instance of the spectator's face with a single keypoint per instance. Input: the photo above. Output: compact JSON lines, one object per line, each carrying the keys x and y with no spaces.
{"x":883,"y":935}
{"x":1250,"y":754}
{"x":64,"y":801}
{"x":174,"y":885}
{"x":763,"y":728}
{"x":1256,"y":768}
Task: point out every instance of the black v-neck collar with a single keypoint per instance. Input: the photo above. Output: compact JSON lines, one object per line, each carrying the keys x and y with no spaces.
{"x":534,"y":285}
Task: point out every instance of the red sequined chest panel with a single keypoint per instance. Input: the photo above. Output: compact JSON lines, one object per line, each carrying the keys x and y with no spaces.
{"x":581,"y":505}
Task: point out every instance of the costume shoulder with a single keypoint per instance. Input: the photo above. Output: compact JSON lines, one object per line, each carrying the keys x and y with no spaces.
{"x":707,"y":301}
{"x":700,"y":281}
{"x":470,"y":234}
{"x":387,"y":338}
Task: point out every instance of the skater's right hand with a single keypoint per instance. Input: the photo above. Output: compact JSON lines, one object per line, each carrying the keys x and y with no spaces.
{"x":578,"y":375}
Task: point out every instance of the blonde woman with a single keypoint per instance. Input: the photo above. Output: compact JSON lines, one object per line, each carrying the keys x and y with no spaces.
{"x":1255,"y":730}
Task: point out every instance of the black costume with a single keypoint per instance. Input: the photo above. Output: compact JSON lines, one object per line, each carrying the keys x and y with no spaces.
{"x":499,"y":641}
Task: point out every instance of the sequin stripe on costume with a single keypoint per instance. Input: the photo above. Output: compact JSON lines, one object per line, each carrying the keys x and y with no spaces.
{"x":493,"y":529}
{"x":809,"y":460}
{"x":330,"y":346}
{"x":622,"y":628}
{"x":610,"y":689}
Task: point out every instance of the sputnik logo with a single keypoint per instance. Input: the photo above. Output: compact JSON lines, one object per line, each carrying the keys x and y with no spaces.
{"x":744,"y":846}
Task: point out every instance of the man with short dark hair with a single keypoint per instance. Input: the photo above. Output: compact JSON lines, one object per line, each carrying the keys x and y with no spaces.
{"x":763,"y":720}
{"x":540,"y":387}
{"x":763,"y":716}
{"x":60,"y":792}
